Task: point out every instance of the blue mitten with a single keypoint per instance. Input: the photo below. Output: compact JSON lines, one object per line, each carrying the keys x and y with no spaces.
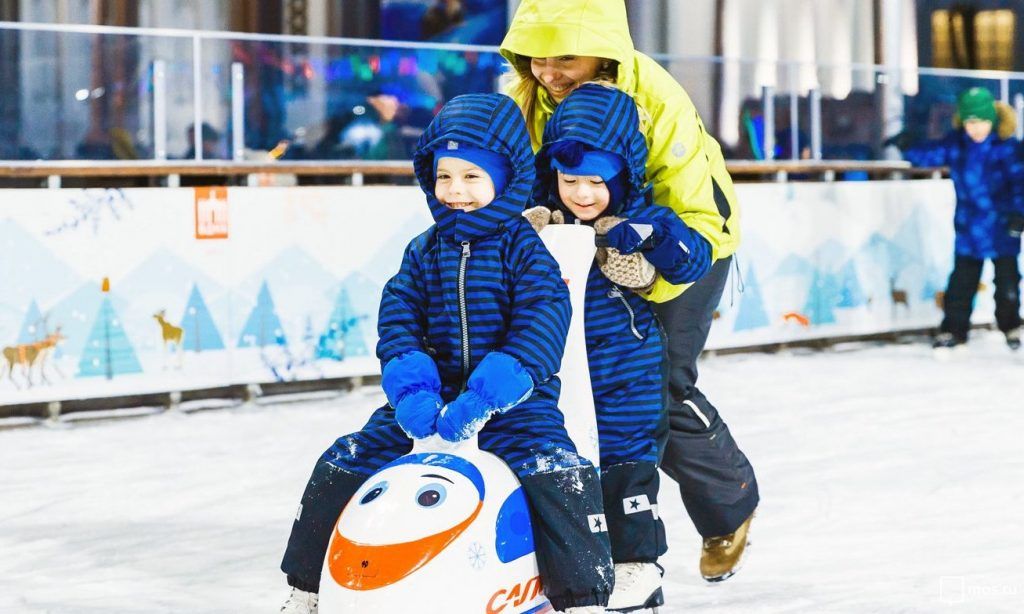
{"x":498,"y":384}
{"x":677,"y":251}
{"x":633,"y":234}
{"x":413,"y":385}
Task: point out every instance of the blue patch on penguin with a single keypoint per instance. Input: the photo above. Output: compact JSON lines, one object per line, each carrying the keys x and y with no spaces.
{"x":513,"y":531}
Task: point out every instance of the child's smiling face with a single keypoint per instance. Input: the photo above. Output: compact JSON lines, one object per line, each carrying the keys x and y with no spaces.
{"x":585,"y":196}
{"x":978,"y":129}
{"x":462,"y":185}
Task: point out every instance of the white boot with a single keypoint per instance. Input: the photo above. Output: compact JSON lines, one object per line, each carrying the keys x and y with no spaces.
{"x":637,"y":586}
{"x":586,"y":609}
{"x":300,"y":602}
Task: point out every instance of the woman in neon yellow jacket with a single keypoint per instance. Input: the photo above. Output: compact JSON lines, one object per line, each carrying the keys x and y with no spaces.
{"x":554,"y":46}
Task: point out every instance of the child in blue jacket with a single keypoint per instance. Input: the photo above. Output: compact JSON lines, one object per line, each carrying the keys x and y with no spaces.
{"x":590,"y":170}
{"x":988,"y":176}
{"x":472,"y":331}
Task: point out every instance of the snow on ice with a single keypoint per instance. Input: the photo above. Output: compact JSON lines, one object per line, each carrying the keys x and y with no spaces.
{"x":890,"y":480}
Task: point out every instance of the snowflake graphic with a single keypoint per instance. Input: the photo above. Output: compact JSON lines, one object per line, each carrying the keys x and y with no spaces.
{"x":477,"y":556}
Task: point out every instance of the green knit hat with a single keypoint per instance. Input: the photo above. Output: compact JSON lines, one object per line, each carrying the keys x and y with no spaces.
{"x":976,"y":103}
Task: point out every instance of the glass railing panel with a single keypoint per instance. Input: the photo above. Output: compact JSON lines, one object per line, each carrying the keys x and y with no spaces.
{"x":87,"y":96}
{"x":337,"y":102}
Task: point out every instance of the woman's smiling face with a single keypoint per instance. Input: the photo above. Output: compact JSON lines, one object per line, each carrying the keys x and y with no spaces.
{"x":561,"y":75}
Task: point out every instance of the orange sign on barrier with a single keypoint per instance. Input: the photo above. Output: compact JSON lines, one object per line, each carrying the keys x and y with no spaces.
{"x":212,"y":213}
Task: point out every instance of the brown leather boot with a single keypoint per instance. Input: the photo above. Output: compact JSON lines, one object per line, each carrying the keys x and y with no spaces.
{"x":722,"y":556}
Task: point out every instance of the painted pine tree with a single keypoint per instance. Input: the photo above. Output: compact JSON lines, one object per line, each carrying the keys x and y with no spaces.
{"x":343,"y":336}
{"x":823,"y":298}
{"x":851,"y":294}
{"x":201,"y":332}
{"x":263,"y":326}
{"x":751,"y":313}
{"x":32,"y":325}
{"x":108,"y":351}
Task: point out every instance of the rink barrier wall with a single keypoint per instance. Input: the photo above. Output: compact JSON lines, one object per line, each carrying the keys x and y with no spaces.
{"x":280,"y":286}
{"x":163,"y":173}
{"x":188,"y":401}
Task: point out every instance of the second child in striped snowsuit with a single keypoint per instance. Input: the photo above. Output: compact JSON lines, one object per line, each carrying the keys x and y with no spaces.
{"x":472,"y":330}
{"x":590,"y":170}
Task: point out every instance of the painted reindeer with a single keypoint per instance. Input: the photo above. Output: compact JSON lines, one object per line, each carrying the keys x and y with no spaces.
{"x":28,"y":355}
{"x":170,"y":333}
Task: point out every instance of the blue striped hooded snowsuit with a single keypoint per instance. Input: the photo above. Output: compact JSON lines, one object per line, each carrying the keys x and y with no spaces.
{"x":624,"y":338}
{"x":473,"y":283}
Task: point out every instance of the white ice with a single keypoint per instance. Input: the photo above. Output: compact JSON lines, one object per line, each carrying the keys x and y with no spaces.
{"x":891,"y":481}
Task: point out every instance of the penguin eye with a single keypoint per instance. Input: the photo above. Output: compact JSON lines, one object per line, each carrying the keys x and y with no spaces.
{"x":431,"y":495}
{"x":377,"y":490}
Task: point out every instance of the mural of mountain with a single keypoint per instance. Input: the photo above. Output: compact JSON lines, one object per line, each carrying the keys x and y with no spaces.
{"x":10,"y":323}
{"x":795,"y":265}
{"x":751,"y":313}
{"x":32,"y":326}
{"x":299,"y":283}
{"x":886,"y":253}
{"x":162,"y":282}
{"x":29,"y":270}
{"x":384,"y":263}
{"x":829,"y":256}
{"x":910,"y":234}
{"x":162,"y":273}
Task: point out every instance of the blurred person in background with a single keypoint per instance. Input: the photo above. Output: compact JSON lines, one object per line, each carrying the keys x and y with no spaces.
{"x":985,"y":165}
{"x":210,"y":137}
{"x":441,"y":16}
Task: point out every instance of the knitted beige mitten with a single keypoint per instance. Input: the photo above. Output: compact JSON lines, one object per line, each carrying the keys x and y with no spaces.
{"x":627,"y":270}
{"x":539,"y":217}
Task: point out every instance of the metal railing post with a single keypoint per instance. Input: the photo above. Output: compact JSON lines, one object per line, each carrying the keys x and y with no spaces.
{"x":197,"y":97}
{"x":815,"y":103}
{"x":1018,"y":105}
{"x":159,"y":110}
{"x":237,"y":111}
{"x":768,"y":104}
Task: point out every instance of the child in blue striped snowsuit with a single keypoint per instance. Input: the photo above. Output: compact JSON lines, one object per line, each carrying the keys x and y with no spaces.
{"x":472,"y":331}
{"x":591,"y":168}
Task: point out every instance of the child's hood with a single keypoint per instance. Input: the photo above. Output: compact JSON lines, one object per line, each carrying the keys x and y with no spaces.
{"x":602,"y":117}
{"x":487,"y":121}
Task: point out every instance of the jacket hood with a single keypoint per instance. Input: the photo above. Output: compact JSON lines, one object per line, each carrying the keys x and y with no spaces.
{"x":597,"y":28}
{"x":1006,"y":121}
{"x":602,"y":117}
{"x":487,"y":121}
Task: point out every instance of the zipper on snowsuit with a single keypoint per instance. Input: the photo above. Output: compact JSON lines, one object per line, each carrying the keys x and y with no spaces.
{"x":615,"y":292}
{"x":463,"y":315}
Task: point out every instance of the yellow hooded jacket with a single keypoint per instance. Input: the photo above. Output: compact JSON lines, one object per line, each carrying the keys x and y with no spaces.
{"x":685,"y":164}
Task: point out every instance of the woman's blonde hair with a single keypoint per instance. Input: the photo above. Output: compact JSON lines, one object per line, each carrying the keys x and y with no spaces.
{"x":524,"y":86}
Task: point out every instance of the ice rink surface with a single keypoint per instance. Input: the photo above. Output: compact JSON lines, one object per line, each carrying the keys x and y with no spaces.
{"x":891,"y":481}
